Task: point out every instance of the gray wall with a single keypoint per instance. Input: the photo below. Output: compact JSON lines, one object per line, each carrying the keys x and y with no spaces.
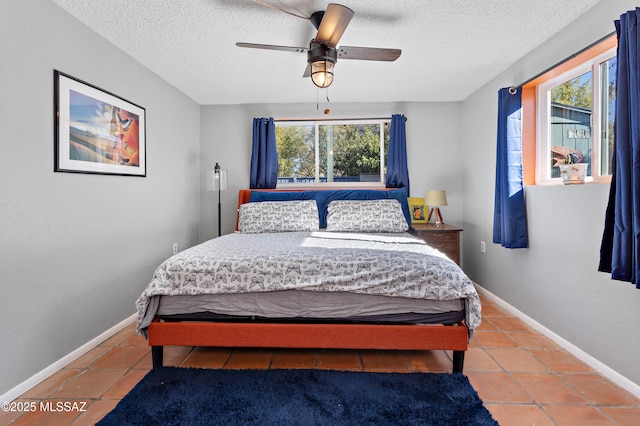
{"x":76,"y":250}
{"x":433,"y":148}
{"x":555,"y":281}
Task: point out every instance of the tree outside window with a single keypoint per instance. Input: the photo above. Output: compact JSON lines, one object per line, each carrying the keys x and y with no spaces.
{"x":331,"y":151}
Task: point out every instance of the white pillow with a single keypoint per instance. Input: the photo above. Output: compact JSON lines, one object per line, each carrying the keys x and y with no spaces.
{"x":366,"y":216}
{"x":279,"y":216}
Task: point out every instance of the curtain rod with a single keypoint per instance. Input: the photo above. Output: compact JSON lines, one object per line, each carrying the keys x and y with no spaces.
{"x":335,"y":119}
{"x":568,"y":58}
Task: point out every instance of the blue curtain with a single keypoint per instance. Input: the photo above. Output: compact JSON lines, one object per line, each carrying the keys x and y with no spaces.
{"x":397,"y":170}
{"x":619,"y":252}
{"x":264,"y":154}
{"x":509,"y":216}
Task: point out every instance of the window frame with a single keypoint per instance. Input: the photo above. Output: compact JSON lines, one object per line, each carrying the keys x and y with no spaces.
{"x":384,"y":123}
{"x":543,"y":103}
{"x":530,"y":108}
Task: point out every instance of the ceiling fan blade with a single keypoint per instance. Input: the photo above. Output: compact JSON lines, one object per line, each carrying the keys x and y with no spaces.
{"x":272,"y":47}
{"x":368,"y":53}
{"x":334,"y":23}
{"x":307,"y":71}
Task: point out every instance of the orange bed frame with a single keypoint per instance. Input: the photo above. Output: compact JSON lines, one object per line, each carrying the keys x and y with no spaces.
{"x":308,"y":335}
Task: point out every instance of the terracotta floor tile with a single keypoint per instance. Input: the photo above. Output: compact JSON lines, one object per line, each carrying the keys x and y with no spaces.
{"x":384,"y":361}
{"x":89,"y":358}
{"x":492,"y":310}
{"x":519,"y":415}
{"x":118,"y":338}
{"x":497,"y":387}
{"x":508,"y":323}
{"x":576,"y":415}
{"x":121,"y":357}
{"x":146,"y":363}
{"x":531,"y":340}
{"x":477,"y":359}
{"x":561,"y":361}
{"x":46,"y":387}
{"x":548,"y":389}
{"x":207,"y":358}
{"x":89,"y":384}
{"x":7,"y":417}
{"x":135,"y":340}
{"x":130,"y":329}
{"x":50,"y":417}
{"x":125,"y":384}
{"x":294,"y":358}
{"x":517,"y":360}
{"x":173,"y":356}
{"x":494,"y":339}
{"x":474,"y":343}
{"x":486,"y":326}
{"x":428,"y":361}
{"x":622,"y":415}
{"x":95,"y":412}
{"x":596,"y":388}
{"x":339,"y":360}
{"x":485,"y":300}
{"x":249,"y":359}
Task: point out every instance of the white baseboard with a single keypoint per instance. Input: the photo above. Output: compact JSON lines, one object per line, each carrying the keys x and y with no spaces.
{"x":600,"y":367}
{"x":32,"y":381}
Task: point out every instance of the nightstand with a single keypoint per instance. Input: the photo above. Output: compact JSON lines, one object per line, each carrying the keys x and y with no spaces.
{"x":444,"y":237}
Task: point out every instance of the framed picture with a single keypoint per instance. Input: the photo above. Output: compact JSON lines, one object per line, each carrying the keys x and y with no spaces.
{"x":418,"y":209}
{"x":97,"y":131}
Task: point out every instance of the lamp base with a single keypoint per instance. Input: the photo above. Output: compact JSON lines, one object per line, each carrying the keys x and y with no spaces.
{"x":435,"y":212}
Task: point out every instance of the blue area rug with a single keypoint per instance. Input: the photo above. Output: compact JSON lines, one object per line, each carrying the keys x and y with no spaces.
{"x":191,"y":396}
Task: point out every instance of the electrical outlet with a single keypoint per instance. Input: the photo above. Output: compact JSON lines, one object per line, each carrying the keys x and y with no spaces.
{"x":483,"y":247}
{"x":175,"y":248}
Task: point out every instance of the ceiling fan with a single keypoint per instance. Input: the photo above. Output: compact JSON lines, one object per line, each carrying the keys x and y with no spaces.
{"x":322,"y":53}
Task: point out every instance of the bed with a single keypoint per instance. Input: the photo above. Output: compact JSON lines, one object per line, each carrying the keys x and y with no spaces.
{"x":322,"y":269}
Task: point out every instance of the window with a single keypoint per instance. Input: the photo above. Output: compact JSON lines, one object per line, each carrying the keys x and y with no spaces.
{"x":332,"y":152}
{"x":575,"y":118}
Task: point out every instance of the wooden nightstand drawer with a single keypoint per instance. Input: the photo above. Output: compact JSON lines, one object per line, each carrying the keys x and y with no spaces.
{"x":440,"y":236}
{"x":445,"y":238}
{"x":443,"y":245}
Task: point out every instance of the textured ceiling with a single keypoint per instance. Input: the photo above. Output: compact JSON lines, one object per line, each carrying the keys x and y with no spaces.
{"x":450,"y":48}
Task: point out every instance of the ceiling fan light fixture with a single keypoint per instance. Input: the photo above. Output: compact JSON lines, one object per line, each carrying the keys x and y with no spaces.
{"x":322,"y":53}
{"x":322,"y":73}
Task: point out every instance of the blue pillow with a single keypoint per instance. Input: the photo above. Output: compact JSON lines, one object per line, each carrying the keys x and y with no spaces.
{"x":324,"y":197}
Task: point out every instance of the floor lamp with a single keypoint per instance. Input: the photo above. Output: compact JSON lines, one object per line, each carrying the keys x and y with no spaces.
{"x":217,"y":181}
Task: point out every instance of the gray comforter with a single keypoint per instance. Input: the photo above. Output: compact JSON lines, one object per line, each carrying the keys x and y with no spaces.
{"x":396,"y":265}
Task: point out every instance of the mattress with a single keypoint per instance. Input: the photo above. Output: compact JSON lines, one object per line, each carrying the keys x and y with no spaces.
{"x":305,"y":306}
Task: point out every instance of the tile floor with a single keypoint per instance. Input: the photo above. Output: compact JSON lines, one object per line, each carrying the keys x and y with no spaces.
{"x":522,"y":377}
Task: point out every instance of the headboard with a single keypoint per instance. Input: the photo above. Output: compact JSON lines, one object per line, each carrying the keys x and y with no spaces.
{"x":323,"y":197}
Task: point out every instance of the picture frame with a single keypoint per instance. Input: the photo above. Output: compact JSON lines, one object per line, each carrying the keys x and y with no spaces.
{"x":96,"y":131}
{"x":418,"y":210}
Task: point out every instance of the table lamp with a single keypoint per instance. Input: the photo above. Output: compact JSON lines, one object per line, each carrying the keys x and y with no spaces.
{"x":434,"y":199}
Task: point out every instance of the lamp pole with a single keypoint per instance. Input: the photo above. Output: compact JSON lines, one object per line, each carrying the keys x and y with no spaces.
{"x":218,"y":186}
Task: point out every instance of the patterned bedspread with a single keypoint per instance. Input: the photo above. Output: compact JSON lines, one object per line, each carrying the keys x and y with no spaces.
{"x":397,"y":265}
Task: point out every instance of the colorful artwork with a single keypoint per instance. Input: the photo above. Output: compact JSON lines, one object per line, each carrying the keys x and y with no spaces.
{"x":97,"y":132}
{"x":417,"y":208}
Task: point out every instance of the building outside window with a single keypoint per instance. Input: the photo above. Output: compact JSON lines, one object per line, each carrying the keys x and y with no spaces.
{"x":575,"y":119}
